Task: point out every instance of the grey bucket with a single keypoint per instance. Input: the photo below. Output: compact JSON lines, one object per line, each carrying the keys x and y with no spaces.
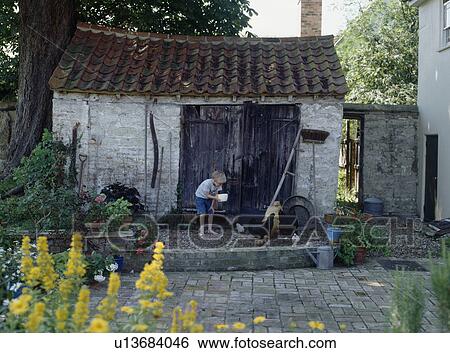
{"x":324,"y":258}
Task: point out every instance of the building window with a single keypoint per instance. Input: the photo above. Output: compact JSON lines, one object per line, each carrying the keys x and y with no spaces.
{"x":446,"y":22}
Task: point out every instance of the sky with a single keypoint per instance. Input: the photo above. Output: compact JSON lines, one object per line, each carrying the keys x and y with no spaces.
{"x":280,"y":18}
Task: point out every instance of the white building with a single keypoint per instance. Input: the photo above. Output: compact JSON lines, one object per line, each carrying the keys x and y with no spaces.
{"x":434,"y":108}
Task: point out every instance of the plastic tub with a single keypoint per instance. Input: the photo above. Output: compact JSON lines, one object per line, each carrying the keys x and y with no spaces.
{"x":223,"y":197}
{"x":334,"y":234}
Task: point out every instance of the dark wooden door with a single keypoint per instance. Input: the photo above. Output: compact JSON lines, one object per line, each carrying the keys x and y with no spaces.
{"x":268,"y":135}
{"x":250,"y":143}
{"x":431,"y":177}
{"x":211,"y":141}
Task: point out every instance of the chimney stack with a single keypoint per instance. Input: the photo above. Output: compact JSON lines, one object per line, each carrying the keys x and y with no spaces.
{"x":310,"y":18}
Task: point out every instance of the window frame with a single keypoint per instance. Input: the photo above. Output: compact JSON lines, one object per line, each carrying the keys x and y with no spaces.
{"x":446,"y":15}
{"x":445,"y":27}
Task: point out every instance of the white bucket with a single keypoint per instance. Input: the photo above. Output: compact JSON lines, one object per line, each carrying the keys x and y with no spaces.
{"x":223,"y":197}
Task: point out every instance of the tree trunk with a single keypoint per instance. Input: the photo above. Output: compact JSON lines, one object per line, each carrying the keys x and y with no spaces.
{"x":46,"y":27}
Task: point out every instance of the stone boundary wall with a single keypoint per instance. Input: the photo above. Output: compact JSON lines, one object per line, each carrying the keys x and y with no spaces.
{"x":389,"y":155}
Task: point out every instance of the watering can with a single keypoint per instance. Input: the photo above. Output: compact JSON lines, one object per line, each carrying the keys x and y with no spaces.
{"x":323,"y":258}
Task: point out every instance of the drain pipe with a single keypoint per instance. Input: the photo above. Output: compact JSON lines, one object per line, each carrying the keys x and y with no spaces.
{"x":145,"y":157}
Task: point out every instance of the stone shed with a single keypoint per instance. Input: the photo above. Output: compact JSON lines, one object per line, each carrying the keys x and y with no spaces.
{"x":161,"y":112}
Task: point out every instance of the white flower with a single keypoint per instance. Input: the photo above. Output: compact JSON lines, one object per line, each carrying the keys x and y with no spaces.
{"x":112,"y":267}
{"x":15,"y":287}
{"x":6,"y":302}
{"x":99,"y":278}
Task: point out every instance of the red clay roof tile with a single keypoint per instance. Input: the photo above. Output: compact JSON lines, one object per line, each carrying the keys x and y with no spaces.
{"x":108,"y":60}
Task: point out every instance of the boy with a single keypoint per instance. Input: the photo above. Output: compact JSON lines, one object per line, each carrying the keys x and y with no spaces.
{"x":206,"y":199}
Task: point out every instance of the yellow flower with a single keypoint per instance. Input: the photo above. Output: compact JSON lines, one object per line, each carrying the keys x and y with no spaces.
{"x":26,"y":262}
{"x":175,"y":326}
{"x":197,"y":328}
{"x":46,"y":264}
{"x":158,"y":257}
{"x":147,"y":304}
{"x":221,"y":327}
{"x":342,"y":327}
{"x":35,"y":318}
{"x":65,"y":288}
{"x":127,"y":309}
{"x":189,"y":316}
{"x":108,"y":305}
{"x":61,"y":314}
{"x":33,"y":276}
{"x":98,"y":325}
{"x":152,"y":281}
{"x":140,"y":328}
{"x":81,"y":311}
{"x":316,"y":325}
{"x":239,"y":326}
{"x":75,"y":265}
{"x":114,"y":283}
{"x":20,"y":305}
{"x":259,"y":320}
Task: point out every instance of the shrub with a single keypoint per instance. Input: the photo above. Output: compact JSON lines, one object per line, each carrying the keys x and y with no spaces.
{"x":49,"y":200}
{"x":408,"y":303}
{"x":440,"y":281}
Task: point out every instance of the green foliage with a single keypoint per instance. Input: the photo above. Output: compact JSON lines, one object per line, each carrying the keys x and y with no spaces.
{"x":196,"y":17}
{"x":45,"y":165}
{"x":358,"y":232}
{"x":96,"y":213}
{"x":49,"y":200}
{"x":378,"y":53}
{"x":6,"y":185}
{"x":440,"y":280}
{"x":116,"y":212}
{"x":96,"y":263}
{"x":9,"y":23}
{"x":12,"y":211}
{"x":408,"y":304}
{"x":347,"y":251}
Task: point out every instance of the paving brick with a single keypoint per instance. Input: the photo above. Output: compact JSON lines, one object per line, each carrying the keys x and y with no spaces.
{"x":287,"y":305}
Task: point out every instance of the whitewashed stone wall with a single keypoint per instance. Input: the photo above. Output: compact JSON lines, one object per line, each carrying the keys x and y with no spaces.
{"x":112,"y":131}
{"x":327,"y":117}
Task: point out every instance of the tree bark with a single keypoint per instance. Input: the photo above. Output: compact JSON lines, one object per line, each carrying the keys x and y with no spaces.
{"x":46,"y":27}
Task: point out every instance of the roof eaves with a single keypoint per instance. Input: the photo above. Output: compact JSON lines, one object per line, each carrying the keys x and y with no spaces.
{"x":417,"y":3}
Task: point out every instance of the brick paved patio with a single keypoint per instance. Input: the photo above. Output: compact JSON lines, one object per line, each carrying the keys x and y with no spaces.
{"x":357,"y":297}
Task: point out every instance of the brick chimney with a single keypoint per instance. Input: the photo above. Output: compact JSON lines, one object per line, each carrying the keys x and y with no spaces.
{"x":310,"y":18}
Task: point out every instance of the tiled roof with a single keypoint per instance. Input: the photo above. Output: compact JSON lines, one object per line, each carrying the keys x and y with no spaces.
{"x":101,"y":59}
